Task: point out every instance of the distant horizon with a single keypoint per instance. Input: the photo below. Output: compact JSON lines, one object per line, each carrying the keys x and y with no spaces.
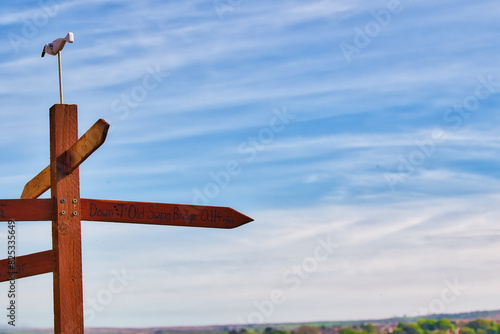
{"x":439,"y":315}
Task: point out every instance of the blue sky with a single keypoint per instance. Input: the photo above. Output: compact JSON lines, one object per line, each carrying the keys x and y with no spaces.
{"x":361,"y":137}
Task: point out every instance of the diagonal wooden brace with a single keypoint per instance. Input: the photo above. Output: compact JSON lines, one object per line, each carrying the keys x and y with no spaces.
{"x":78,"y":153}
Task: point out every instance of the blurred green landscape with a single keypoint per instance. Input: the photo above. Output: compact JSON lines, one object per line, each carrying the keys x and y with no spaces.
{"x":480,"y":322}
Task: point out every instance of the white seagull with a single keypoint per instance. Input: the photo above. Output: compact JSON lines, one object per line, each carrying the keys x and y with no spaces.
{"x":57,"y":45}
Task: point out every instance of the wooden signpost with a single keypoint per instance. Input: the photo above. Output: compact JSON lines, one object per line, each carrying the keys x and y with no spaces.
{"x":66,"y":210}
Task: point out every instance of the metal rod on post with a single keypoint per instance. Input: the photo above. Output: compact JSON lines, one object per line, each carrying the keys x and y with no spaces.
{"x":60,"y":77}
{"x":55,"y":48}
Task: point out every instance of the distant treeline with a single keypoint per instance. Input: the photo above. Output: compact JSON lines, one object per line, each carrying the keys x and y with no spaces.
{"x":421,"y":326}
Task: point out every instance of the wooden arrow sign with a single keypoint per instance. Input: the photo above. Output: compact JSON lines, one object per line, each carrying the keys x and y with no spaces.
{"x":27,"y":265}
{"x":127,"y":212}
{"x":78,"y":153}
{"x":162,"y":214}
{"x":26,"y":209}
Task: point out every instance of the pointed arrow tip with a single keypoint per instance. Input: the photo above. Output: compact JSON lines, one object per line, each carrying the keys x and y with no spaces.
{"x":245,"y":219}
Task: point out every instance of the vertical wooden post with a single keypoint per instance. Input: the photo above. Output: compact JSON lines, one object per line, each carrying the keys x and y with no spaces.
{"x":66,"y":226}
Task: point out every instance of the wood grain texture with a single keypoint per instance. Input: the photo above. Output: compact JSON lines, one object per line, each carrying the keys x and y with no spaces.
{"x":162,"y":214}
{"x":78,"y":153}
{"x":87,"y":144}
{"x":66,"y":226}
{"x":37,"y":185}
{"x":26,"y":209}
{"x":27,"y":265}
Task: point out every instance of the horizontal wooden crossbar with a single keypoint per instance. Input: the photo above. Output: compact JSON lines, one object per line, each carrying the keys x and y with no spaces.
{"x":26,"y":209}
